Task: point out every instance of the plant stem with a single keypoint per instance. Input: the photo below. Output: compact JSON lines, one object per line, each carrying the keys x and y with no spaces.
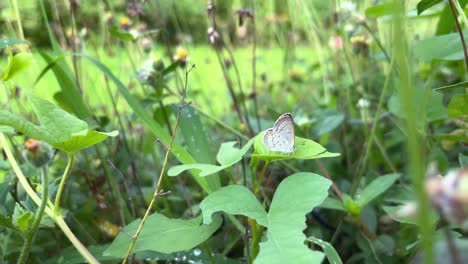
{"x":18,"y":19}
{"x":459,"y":29}
{"x":260,"y":179}
{"x":62,"y":184}
{"x":31,"y":234}
{"x":156,"y":193}
{"x":32,"y":194}
{"x":415,"y":140}
{"x":254,"y":65}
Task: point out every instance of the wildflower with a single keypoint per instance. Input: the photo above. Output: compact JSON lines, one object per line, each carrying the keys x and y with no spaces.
{"x":125,"y":23}
{"x":360,"y":45}
{"x":214,"y":38}
{"x":146,"y":44}
{"x":336,"y":42}
{"x":134,"y":9}
{"x":181,"y":55}
{"x":37,"y":153}
{"x":363,"y":103}
{"x":449,"y":195}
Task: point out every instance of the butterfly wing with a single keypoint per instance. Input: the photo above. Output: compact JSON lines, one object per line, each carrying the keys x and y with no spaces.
{"x":281,"y":136}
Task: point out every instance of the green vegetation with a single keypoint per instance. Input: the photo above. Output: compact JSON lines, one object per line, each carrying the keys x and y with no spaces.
{"x":144,"y":131}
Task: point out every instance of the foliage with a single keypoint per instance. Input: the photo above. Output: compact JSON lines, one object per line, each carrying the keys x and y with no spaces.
{"x":100,"y":97}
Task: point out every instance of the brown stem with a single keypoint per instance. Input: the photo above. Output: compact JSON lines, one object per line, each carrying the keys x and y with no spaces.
{"x":460,"y":32}
{"x":325,"y":173}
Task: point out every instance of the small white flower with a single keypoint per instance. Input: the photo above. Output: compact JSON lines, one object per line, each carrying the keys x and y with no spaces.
{"x":363,"y":103}
{"x":348,"y":6}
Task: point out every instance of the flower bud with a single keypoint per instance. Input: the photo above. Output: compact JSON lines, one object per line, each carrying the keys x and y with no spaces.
{"x":37,"y":153}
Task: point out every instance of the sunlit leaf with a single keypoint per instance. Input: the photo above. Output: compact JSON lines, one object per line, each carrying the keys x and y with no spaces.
{"x":227,"y":156}
{"x":286,"y":220}
{"x":376,"y":188}
{"x":236,"y":200}
{"x":329,"y":250}
{"x":16,"y":64}
{"x":164,"y":235}
{"x":305,"y":149}
{"x":425,"y":4}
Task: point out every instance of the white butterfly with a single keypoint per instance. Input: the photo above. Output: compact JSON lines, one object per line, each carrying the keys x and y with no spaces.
{"x":281,"y":136}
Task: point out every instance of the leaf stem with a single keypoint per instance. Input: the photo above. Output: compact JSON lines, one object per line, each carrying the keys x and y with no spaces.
{"x":62,"y":184}
{"x":260,"y":179}
{"x":31,"y":234}
{"x":32,"y":194}
{"x":459,"y":29}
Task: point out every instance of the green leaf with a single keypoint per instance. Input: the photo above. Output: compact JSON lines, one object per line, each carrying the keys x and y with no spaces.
{"x":164,"y":235}
{"x":23,"y":219}
{"x":458,"y":106}
{"x":227,"y":156}
{"x":329,"y":250}
{"x":170,"y":68}
{"x":431,"y":104}
{"x":305,"y":149}
{"x":7,"y":222}
{"x":120,"y":34}
{"x":425,"y":4}
{"x":351,"y":206}
{"x":443,"y":47}
{"x":286,"y":219}
{"x":381,"y":10}
{"x":8,"y":42}
{"x":196,"y":140}
{"x":327,"y":120}
{"x":376,"y":188}
{"x":57,"y":127}
{"x":67,"y":83}
{"x":406,"y":214}
{"x":17,"y":64}
{"x":177,"y":150}
{"x":333,"y":204}
{"x":236,"y":200}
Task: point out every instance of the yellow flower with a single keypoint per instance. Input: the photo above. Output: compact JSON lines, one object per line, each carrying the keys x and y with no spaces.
{"x":180,"y":54}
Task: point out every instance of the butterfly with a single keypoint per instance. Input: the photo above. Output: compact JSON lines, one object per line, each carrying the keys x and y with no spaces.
{"x":281,"y":136}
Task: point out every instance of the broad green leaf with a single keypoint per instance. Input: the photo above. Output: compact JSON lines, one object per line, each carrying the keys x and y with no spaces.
{"x":7,"y":222}
{"x":333,"y":204}
{"x":406,"y":213}
{"x":236,"y":200}
{"x":8,"y":42}
{"x":381,"y":10}
{"x":431,"y":104}
{"x":16,"y":64}
{"x":458,"y":106}
{"x":446,"y":22}
{"x":444,"y":47}
{"x":120,"y":34}
{"x":67,"y":83}
{"x":425,"y":4}
{"x":196,"y":140}
{"x":23,"y":219}
{"x":327,"y":120}
{"x":57,"y":127}
{"x":376,"y":188}
{"x":296,"y":196}
{"x":177,"y":150}
{"x":164,"y":235}
{"x":305,"y":149}
{"x":227,"y":156}
{"x":329,"y":250}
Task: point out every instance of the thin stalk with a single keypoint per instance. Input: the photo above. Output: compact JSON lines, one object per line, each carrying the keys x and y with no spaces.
{"x":32,"y":194}
{"x":257,"y":231}
{"x":415,"y":150}
{"x":254,"y":65}
{"x":260,"y":179}
{"x":18,"y":19}
{"x":459,"y":29}
{"x":359,"y":171}
{"x":62,"y":185}
{"x":460,"y":12}
{"x":157,"y":192}
{"x":31,"y":234}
